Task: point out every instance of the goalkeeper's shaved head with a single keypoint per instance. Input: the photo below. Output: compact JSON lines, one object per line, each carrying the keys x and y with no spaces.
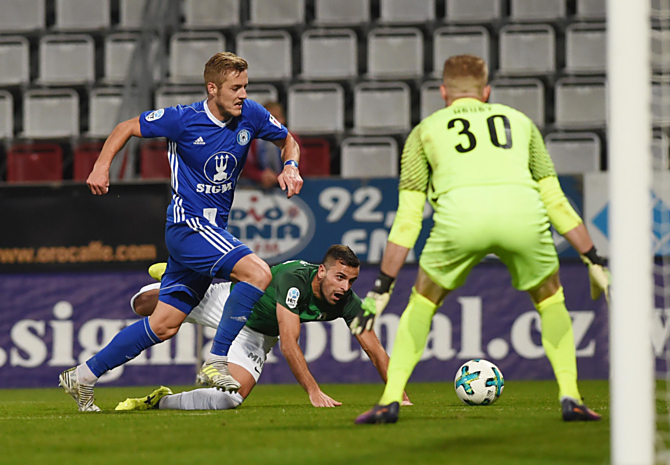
{"x":465,"y":76}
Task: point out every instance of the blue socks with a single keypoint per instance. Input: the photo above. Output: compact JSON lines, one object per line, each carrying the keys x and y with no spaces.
{"x":238,"y":307}
{"x":125,"y":346}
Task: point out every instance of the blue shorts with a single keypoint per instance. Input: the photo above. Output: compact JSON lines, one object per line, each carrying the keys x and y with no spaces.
{"x":199,"y":252}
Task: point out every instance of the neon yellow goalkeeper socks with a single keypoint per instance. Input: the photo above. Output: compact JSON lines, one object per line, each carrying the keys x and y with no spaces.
{"x":409,"y":343}
{"x":559,"y":343}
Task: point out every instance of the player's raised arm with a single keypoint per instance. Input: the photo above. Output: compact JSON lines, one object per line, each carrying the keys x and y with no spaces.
{"x":289,"y":179}
{"x":289,"y":331}
{"x":98,"y":180}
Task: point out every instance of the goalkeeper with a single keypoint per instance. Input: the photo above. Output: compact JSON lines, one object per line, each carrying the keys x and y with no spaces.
{"x":493,"y":188}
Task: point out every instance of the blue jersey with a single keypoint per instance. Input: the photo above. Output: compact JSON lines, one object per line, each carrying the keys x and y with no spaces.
{"x":207,"y":155}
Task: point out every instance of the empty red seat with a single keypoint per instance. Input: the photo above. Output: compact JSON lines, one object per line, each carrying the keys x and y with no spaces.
{"x":314,"y":157}
{"x":154,"y":161}
{"x":85,"y":156}
{"x":35,"y":162}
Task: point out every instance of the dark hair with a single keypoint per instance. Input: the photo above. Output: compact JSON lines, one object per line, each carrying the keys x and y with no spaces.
{"x":342,"y":254}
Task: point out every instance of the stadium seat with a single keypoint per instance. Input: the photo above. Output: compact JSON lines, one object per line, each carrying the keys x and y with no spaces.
{"x":67,"y":59}
{"x":580,"y":103}
{"x":154,"y":161}
{"x":660,"y":148}
{"x":276,"y":12}
{"x":382,"y":107}
{"x":450,"y":41}
{"x":22,"y":15}
{"x":585,"y":48}
{"x":171,"y":96}
{"x":314,"y":156}
{"x":50,"y":113}
{"x":131,"y":14}
{"x":342,"y":12}
{"x":329,"y":54}
{"x":404,"y":12}
{"x":431,"y":100}
{"x":574,"y":153}
{"x":537,"y":10}
{"x":525,"y":95}
{"x":104,"y":109}
{"x":591,"y":9}
{"x":660,"y":102}
{"x":660,"y":42}
{"x":268,"y":54}
{"x":14,"y":60}
{"x":189,"y":51}
{"x":262,"y":93}
{"x":527,"y":49}
{"x":82,"y":15}
{"x":119,"y":49}
{"x":6,"y":115}
{"x":84,"y":157}
{"x":34,"y":162}
{"x":473,"y":11}
{"x":211,"y":14}
{"x":316,"y":108}
{"x":395,"y":53}
{"x":369,"y":157}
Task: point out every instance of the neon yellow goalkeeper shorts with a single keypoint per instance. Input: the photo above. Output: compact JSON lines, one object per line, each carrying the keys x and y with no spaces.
{"x":471,"y":222}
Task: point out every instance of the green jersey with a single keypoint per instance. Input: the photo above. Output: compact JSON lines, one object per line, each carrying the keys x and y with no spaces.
{"x":472,"y":143}
{"x":291,"y":287}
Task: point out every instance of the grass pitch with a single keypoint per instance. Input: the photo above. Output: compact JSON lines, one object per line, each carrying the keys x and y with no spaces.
{"x":277,"y":425}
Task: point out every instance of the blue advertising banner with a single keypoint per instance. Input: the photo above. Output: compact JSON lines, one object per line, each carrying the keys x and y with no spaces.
{"x":54,"y":321}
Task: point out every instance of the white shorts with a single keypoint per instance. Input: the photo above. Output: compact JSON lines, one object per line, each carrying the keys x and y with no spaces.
{"x":249,"y":349}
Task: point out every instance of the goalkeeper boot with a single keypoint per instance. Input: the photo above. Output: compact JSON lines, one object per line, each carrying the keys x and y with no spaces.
{"x":215,"y":373}
{"x":145,"y":403}
{"x":575,"y":411}
{"x":380,"y":414}
{"x":80,"y":392}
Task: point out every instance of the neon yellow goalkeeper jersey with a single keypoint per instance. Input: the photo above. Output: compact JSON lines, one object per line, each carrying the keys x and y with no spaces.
{"x":472,"y":143}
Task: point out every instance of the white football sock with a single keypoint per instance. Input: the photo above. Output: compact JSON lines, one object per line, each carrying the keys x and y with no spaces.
{"x":85,"y":375}
{"x":201,"y":399}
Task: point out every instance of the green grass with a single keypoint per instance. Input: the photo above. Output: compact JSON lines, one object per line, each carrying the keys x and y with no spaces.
{"x":277,"y":425}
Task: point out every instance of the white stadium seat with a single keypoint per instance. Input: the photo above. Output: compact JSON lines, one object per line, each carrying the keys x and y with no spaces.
{"x":276,"y":12}
{"x":525,"y":95}
{"x":316,"y":108}
{"x":527,"y":49}
{"x":49,"y":113}
{"x":382,"y":107}
{"x":395,"y":53}
{"x":580,"y":103}
{"x":369,"y":157}
{"x":463,"y":40}
{"x":67,"y":59}
{"x":473,"y":11}
{"x":660,"y":151}
{"x":14,"y":60}
{"x":189,"y":51}
{"x":22,"y":15}
{"x":431,"y":100}
{"x":82,"y":15}
{"x":404,"y":12}
{"x":104,"y":108}
{"x":341,"y":12}
{"x":329,"y":54}
{"x":171,"y":96}
{"x":591,"y":9}
{"x":574,"y":153}
{"x":6,"y":115}
{"x":262,"y":93}
{"x":131,"y":13}
{"x":211,"y":14}
{"x":119,"y":50}
{"x":660,"y":42}
{"x":660,"y":102}
{"x":586,"y":48}
{"x":268,"y":54}
{"x":538,"y":10}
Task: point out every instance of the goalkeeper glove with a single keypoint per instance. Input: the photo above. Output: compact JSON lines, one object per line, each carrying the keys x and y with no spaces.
{"x":373,"y":304}
{"x":599,"y":275}
{"x":156,"y":270}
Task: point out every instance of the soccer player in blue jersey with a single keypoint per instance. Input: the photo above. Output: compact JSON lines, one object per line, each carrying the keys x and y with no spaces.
{"x":207,"y":146}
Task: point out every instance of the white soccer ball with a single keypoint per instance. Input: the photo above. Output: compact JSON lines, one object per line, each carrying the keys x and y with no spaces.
{"x":479,"y":382}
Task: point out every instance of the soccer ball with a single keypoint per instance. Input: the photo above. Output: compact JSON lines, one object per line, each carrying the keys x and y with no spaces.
{"x":479,"y":382}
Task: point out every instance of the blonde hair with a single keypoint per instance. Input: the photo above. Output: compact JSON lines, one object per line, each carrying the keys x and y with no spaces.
{"x":220,"y":65}
{"x":465,"y":74}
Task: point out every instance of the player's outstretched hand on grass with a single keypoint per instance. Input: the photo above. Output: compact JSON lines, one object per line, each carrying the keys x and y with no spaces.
{"x":98,"y":180}
{"x":405,"y":400}
{"x":320,"y":399}
{"x":599,"y":275}
{"x":290,"y":181}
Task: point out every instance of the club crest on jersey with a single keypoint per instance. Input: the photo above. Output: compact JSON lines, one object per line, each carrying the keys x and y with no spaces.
{"x":220,"y":167}
{"x":154,"y":115}
{"x":274,"y":121}
{"x":243,"y":137}
{"x":292,"y":297}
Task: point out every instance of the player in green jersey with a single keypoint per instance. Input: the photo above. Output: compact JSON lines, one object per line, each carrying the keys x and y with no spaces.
{"x":300,"y":292}
{"x":493,"y":188}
